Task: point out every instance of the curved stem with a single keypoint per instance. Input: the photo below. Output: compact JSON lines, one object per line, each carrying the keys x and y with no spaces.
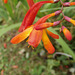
{"x":60,"y":53}
{"x":61,"y":2}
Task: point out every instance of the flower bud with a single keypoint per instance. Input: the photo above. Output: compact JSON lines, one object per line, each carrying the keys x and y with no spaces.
{"x":56,"y":23}
{"x":43,"y":26}
{"x":67,"y":33}
{"x":69,"y":20}
{"x":58,"y":12}
{"x":68,"y":4}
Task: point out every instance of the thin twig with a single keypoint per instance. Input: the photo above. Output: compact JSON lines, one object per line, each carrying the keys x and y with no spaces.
{"x":60,"y":53}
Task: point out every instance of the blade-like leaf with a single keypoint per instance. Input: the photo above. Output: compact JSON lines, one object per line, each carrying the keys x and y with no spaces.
{"x":64,"y":45}
{"x":6,"y":29}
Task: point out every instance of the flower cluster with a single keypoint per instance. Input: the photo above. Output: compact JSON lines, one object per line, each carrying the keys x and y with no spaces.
{"x":37,"y":32}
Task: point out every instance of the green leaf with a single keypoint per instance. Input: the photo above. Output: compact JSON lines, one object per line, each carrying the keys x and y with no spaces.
{"x":9,"y":9}
{"x":6,"y":29}
{"x":64,"y":45}
{"x":3,"y":14}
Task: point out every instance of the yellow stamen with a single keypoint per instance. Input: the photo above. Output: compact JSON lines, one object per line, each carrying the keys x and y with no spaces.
{"x":32,"y":47}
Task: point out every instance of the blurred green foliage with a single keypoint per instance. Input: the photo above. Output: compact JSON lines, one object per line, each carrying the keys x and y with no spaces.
{"x":29,"y":61}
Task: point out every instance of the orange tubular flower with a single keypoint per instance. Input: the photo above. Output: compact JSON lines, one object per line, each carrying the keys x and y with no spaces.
{"x":35,"y":36}
{"x":69,"y":20}
{"x":28,"y":19}
{"x":5,"y":1}
{"x":68,"y":4}
{"x":40,"y":21}
{"x":67,"y":33}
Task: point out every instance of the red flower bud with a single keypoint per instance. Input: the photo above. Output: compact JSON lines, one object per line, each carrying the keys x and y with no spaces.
{"x":67,"y":18}
{"x":5,"y":1}
{"x":56,"y":23}
{"x":67,"y":33}
{"x":66,"y":4}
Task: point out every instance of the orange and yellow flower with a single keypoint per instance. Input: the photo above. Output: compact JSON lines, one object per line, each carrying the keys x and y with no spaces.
{"x":67,"y":33}
{"x":35,"y":36}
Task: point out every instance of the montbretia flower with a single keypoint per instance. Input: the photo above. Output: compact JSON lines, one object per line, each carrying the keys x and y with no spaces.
{"x":28,"y":29}
{"x":68,"y":4}
{"x":69,"y":20}
{"x":5,"y":1}
{"x":67,"y":33}
{"x":32,"y":12}
{"x":35,"y":36}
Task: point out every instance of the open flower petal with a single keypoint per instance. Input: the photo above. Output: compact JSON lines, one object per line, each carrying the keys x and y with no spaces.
{"x":22,"y":36}
{"x":35,"y":37}
{"x":52,"y":34}
{"x":47,"y":43}
{"x":30,"y":3}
